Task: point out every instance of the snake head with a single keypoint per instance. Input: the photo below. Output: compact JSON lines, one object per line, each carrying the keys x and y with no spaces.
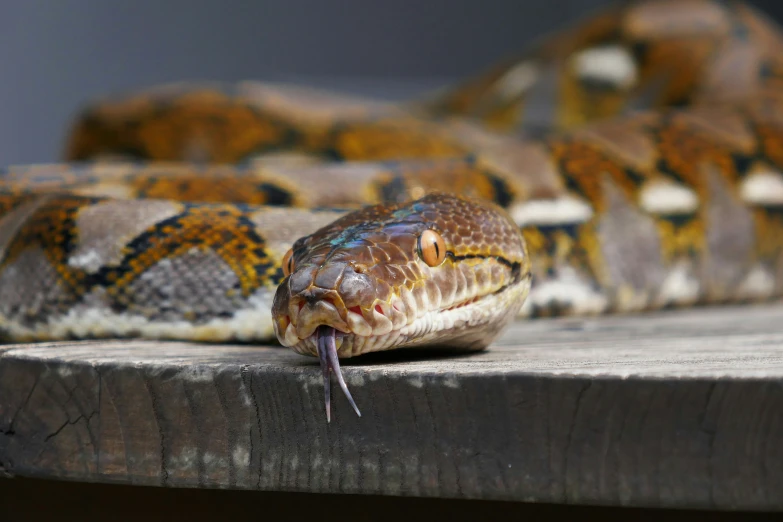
{"x":439,"y":271}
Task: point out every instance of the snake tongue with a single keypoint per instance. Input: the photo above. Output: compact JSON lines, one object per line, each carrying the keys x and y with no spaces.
{"x":327,"y":353}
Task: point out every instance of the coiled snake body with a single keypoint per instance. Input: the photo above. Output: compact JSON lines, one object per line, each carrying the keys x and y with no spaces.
{"x":637,"y":158}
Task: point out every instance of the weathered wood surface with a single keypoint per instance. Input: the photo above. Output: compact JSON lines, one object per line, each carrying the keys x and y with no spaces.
{"x":680,"y":409}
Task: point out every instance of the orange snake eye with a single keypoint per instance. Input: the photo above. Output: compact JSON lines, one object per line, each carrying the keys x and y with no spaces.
{"x":288,"y":262}
{"x":432,"y":248}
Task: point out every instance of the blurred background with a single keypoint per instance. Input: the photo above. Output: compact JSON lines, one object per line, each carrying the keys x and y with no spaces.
{"x":57,"y":54}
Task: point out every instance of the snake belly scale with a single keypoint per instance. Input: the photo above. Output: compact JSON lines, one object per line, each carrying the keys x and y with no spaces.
{"x":630,"y":163}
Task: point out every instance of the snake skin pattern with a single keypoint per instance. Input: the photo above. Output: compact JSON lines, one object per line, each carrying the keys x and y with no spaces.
{"x":640,"y":153}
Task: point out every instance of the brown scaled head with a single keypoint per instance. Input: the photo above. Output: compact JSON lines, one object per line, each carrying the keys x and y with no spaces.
{"x":441,"y":270}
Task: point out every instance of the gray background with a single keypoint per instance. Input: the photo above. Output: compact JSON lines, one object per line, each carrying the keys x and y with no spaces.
{"x":56,"y":54}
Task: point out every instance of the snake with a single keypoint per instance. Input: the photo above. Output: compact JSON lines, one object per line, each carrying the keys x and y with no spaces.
{"x":631,"y":162}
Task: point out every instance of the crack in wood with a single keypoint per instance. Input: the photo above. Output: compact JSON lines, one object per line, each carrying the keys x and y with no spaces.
{"x":69,"y":422}
{"x":246,"y":372}
{"x":6,"y":468}
{"x":569,"y":438}
{"x":711,"y":432}
{"x":435,"y":436}
{"x":99,"y":403}
{"x":24,"y":404}
{"x":191,"y":403}
{"x":164,"y":473}
{"x":233,"y":435}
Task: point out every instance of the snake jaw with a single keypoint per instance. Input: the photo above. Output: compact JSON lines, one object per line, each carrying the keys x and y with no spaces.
{"x":296,"y":329}
{"x":412,"y":318}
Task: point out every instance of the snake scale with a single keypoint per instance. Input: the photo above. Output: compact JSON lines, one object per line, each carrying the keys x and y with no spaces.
{"x":631,"y":162}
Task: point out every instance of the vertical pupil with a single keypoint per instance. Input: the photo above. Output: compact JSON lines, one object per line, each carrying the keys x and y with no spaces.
{"x":437,"y":250}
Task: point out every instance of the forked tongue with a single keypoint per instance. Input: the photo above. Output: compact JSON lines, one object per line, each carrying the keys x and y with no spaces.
{"x":327,"y":353}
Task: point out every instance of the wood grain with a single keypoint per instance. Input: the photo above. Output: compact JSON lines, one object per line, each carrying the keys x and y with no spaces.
{"x":677,"y":409}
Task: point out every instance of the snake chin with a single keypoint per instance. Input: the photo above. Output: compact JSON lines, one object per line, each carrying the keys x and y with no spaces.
{"x":469,"y":323}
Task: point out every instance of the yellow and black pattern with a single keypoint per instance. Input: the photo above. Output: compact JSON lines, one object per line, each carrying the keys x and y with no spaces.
{"x":635,"y":55}
{"x":692,"y":202}
{"x":226,"y":230}
{"x":229,"y":125}
{"x":200,"y":262}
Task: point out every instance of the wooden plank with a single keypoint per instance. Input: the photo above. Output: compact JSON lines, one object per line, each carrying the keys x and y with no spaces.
{"x":678,"y":409}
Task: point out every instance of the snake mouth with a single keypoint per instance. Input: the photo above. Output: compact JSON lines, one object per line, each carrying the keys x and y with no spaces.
{"x":357,"y":328}
{"x":407,"y":320}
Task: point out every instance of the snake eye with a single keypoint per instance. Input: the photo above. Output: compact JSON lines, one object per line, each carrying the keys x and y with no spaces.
{"x":432,"y":248}
{"x":288,"y":262}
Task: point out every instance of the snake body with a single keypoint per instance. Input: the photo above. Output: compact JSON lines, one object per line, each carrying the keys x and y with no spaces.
{"x":634,"y":162}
